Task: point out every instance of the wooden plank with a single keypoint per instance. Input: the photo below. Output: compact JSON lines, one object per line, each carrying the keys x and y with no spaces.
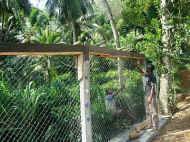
{"x":40,"y":49}
{"x":62,"y":49}
{"x":108,"y":52}
{"x":85,"y":105}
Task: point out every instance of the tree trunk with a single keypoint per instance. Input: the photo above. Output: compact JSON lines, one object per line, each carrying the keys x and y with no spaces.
{"x":112,"y":22}
{"x":49,"y":70}
{"x":164,"y":93}
{"x":3,"y":17}
{"x":74,"y":33}
{"x":2,"y":37}
{"x":167,"y":40}
{"x":116,"y":39}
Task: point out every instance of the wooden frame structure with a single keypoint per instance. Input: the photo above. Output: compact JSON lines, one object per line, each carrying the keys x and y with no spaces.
{"x":62,"y":49}
{"x":83,"y":54}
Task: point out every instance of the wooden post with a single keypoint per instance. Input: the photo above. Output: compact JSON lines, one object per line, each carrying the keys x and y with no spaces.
{"x":85,"y":105}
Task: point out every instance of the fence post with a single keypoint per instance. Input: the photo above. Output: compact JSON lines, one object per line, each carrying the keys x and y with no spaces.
{"x":85,"y":105}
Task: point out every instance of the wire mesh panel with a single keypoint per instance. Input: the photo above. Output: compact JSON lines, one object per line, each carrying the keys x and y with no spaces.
{"x":39,"y":99}
{"x":114,"y":108}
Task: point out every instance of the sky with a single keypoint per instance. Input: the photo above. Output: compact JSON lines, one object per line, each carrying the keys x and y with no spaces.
{"x":38,"y":3}
{"x":115,"y":5}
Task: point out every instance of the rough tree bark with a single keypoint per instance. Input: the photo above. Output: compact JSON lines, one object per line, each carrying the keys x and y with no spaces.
{"x":167,"y":40}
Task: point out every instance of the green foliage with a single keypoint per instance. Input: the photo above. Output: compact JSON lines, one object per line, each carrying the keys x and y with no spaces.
{"x":38,"y":18}
{"x":68,"y":12}
{"x":143,"y":11}
{"x":104,"y":78}
{"x":49,"y":86}
{"x":29,"y":103}
{"x":56,"y":104}
{"x":47,"y":36}
{"x":12,"y":14}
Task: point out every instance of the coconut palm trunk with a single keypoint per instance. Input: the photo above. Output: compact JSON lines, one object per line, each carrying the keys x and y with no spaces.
{"x":74,"y":34}
{"x":116,"y":39}
{"x":167,"y":40}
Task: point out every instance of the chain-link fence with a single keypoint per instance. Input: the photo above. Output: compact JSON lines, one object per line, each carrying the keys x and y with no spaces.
{"x":40,"y":98}
{"x":114,"y":109}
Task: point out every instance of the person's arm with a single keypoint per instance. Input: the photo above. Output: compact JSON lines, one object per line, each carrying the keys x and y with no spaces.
{"x":138,"y":63}
{"x":140,"y":70}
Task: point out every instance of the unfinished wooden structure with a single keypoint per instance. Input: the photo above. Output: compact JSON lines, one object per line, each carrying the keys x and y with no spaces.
{"x":83,"y":54}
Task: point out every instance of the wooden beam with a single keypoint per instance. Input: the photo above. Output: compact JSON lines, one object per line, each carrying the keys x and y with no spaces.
{"x":85,"y":104}
{"x":62,"y":49}
{"x":40,"y":49}
{"x":108,"y":52}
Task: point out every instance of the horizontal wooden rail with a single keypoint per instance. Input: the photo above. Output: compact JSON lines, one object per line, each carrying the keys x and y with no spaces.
{"x":62,"y":49}
{"x":108,"y":52}
{"x":40,"y":49}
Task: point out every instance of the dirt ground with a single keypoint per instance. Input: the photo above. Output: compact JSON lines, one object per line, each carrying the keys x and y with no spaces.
{"x":178,"y":129}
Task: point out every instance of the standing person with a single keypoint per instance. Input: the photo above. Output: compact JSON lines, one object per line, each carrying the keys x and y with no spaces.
{"x":110,"y":102}
{"x":149,"y":82}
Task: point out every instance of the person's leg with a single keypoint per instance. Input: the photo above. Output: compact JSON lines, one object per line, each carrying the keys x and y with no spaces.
{"x":154,"y":113}
{"x":151,"y":114}
{"x":148,"y":113}
{"x":146,"y":107}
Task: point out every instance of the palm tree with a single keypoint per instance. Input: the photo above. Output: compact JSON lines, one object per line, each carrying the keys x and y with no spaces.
{"x":68,"y":12}
{"x":112,"y":22}
{"x":116,"y":38}
{"x":11,"y":12}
